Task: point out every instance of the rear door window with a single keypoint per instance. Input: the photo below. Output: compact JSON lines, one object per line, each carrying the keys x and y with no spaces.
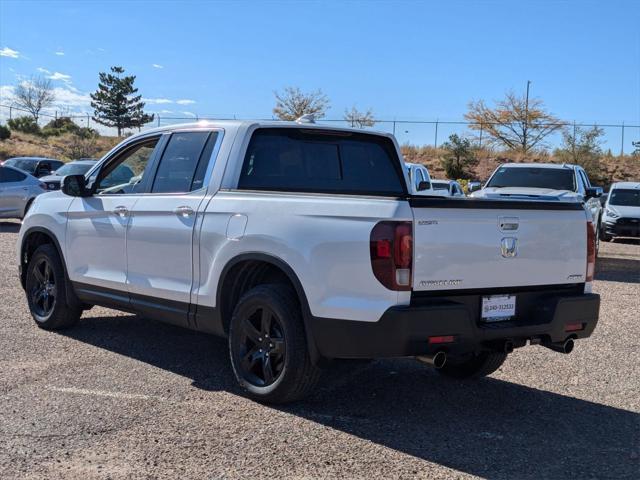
{"x":309,"y":160}
{"x":9,"y":175}
{"x":183,"y":164}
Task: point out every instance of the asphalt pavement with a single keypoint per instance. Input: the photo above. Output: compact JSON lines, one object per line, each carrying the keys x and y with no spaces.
{"x":124,"y":397}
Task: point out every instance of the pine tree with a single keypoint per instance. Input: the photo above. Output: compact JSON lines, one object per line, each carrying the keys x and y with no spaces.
{"x":116,"y":104}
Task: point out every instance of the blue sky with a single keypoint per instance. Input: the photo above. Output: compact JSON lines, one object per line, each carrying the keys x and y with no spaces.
{"x":410,"y":60}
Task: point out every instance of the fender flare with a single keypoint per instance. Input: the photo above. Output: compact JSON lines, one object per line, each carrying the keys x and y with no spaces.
{"x":293,"y":278}
{"x":70,"y":292}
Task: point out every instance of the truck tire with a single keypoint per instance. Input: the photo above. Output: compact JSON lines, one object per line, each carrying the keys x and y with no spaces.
{"x":268,"y":346}
{"x":478,"y":366}
{"x":46,"y":287}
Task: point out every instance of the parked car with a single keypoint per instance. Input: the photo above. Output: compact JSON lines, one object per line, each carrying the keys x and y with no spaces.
{"x":447,"y":188}
{"x":419,"y":179}
{"x":36,"y":166}
{"x":78,"y":167}
{"x":18,"y":189}
{"x":545,"y":181}
{"x":301,"y":243}
{"x":621,"y":216}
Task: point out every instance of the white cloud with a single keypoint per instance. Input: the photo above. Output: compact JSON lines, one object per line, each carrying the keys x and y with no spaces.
{"x":60,"y":76}
{"x":185,"y":101}
{"x":8,"y":52}
{"x":189,"y":114}
{"x":66,"y":97}
{"x":43,"y":70}
{"x":6,"y":93}
{"x":165,"y":111}
{"x":155,"y":65}
{"x":59,"y":53}
{"x":156,"y":101}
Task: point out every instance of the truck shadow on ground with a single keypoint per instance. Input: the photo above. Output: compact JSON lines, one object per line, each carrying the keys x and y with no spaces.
{"x":618,"y":269}
{"x":490,"y":428}
{"x":9,"y":227}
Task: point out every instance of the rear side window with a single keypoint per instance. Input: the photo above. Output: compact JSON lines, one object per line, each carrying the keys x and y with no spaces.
{"x":181,"y":169}
{"x":305,"y":160}
{"x":8,"y":175}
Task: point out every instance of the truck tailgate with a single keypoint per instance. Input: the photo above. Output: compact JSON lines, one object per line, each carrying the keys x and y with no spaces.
{"x":480,"y":244}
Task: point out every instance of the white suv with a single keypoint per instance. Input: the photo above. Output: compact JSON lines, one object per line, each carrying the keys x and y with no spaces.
{"x":621,"y":217}
{"x":301,"y":243}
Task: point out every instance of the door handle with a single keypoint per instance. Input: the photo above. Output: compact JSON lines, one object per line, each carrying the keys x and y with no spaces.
{"x":121,"y":211}
{"x":184,"y":211}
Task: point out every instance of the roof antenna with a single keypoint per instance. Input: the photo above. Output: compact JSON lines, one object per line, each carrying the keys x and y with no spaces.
{"x":306,"y":118}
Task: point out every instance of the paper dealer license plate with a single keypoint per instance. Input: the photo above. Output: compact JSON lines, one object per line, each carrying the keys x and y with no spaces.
{"x":498,"y":307}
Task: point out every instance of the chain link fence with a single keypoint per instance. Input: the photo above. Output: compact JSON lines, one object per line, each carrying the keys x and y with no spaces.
{"x":619,"y":139}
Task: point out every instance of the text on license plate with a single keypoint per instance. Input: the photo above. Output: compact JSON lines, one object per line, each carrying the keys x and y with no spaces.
{"x":498,"y":307}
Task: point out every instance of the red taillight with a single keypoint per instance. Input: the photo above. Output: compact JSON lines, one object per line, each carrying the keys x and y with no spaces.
{"x":442,"y":339}
{"x":573,"y":327}
{"x":391,"y":248}
{"x":591,"y":252}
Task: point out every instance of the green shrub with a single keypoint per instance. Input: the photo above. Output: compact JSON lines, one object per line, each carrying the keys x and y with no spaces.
{"x":4,"y":132}
{"x":24,"y":124}
{"x":60,"y":126}
{"x":459,"y":156}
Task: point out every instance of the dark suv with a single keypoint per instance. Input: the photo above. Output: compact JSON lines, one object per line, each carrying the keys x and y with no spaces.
{"x":36,"y":166}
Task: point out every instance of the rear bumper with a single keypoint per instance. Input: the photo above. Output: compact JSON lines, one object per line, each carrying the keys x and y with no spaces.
{"x":404,"y":330}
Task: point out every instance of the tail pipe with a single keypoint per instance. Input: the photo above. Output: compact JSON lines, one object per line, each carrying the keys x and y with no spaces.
{"x":437,"y":360}
{"x":562,"y":347}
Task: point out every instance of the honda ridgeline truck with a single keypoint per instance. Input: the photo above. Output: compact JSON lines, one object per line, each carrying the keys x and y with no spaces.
{"x":301,"y":243}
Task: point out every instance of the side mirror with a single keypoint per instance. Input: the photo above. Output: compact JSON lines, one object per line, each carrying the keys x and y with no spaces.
{"x":75,"y":186}
{"x":593,"y":192}
{"x":473,"y":187}
{"x":422,"y":186}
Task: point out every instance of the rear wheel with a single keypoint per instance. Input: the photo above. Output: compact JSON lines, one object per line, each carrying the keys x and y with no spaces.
{"x":477,"y":366}
{"x":46,"y":291}
{"x":268,"y":347}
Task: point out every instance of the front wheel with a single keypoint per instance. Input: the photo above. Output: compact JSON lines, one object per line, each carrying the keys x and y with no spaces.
{"x":268,"y":347}
{"x":46,"y":291}
{"x":477,"y":366}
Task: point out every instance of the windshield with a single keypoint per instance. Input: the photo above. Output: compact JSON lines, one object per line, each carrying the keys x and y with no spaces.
{"x":24,"y":164}
{"x":625,"y":197}
{"x":73,"y":169}
{"x":533,"y":177}
{"x":440,"y":186}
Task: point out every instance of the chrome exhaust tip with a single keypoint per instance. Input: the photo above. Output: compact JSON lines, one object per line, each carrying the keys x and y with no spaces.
{"x":437,"y":360}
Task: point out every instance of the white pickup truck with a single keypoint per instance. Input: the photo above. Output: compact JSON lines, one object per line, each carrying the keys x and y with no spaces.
{"x":301,"y":243}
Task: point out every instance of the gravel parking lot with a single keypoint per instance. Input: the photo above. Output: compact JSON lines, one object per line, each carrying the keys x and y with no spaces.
{"x":124,"y":397}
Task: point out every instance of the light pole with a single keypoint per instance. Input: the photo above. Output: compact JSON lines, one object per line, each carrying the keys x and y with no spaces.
{"x":526,"y":119}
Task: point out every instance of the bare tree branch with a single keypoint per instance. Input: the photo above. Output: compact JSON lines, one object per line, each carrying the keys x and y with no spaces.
{"x":359,"y":119}
{"x":293,"y":103}
{"x":513,"y":123}
{"x":34,"y":94}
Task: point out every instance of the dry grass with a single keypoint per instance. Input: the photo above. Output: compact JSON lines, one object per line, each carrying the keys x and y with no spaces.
{"x":26,"y":145}
{"x":614,"y":168}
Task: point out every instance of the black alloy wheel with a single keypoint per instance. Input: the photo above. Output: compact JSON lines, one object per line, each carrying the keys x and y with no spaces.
{"x":262,"y":347}
{"x":43,"y":288}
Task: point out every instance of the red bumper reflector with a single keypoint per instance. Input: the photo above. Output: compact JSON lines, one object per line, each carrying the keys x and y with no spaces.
{"x":573,"y":327}
{"x":442,"y":339}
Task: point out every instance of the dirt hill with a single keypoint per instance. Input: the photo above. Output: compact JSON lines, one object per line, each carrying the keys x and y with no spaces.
{"x":64,"y":147}
{"x":612,"y":168}
{"x":69,"y":147}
